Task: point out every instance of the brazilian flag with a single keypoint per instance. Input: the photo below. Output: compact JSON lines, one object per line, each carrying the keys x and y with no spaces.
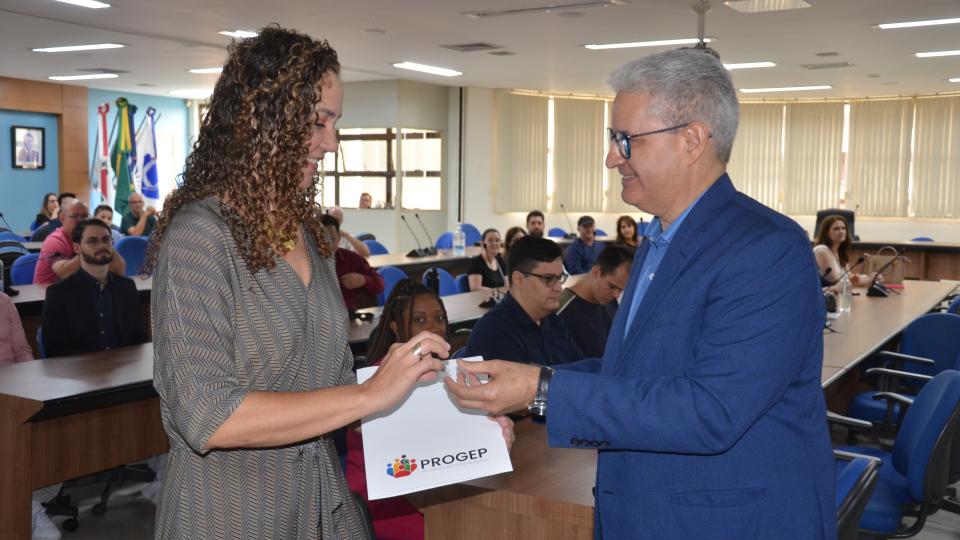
{"x":123,"y":156}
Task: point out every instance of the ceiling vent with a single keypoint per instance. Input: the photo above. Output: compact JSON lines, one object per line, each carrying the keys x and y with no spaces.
{"x":827,"y":65}
{"x":550,"y":8}
{"x":502,"y":53}
{"x":472,"y":47}
{"x":826,"y":54}
{"x":764,"y":6}
{"x":102,"y":70}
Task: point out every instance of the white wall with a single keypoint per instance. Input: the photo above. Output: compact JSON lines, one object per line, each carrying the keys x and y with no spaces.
{"x":480,"y":170}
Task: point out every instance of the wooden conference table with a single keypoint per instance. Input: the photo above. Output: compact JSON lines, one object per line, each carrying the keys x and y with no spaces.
{"x":549,"y":494}
{"x":67,"y":417}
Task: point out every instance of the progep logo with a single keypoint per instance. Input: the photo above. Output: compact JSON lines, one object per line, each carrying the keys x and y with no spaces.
{"x":401,"y":466}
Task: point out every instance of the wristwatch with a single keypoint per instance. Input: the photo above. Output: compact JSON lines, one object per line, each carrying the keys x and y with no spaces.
{"x":538,"y":406}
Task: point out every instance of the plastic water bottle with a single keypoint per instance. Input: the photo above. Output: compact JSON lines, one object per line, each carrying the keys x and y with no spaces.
{"x":845,"y":298}
{"x":459,"y":241}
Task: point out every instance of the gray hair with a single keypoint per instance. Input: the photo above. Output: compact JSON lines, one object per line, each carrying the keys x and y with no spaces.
{"x":685,"y":85}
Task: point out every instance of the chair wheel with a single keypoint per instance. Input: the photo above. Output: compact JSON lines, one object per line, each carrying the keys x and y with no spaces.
{"x":99,"y":509}
{"x":70,"y":525}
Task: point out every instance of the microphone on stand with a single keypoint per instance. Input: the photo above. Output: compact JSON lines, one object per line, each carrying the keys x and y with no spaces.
{"x":7,"y":223}
{"x":569,"y":235}
{"x":876,"y":288}
{"x":430,"y":249}
{"x":824,"y":283}
{"x":419,"y":252}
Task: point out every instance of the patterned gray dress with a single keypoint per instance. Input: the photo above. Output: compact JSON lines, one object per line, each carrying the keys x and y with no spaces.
{"x":220,"y":332}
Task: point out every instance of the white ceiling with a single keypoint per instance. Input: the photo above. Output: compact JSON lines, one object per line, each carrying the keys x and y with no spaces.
{"x":165,"y":38}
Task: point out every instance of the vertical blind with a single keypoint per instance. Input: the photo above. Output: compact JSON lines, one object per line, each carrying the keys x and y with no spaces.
{"x":812,"y":151}
{"x":878,"y":160}
{"x":936,"y":161}
{"x":756,"y":163}
{"x":521,"y":152}
{"x":578,"y":154}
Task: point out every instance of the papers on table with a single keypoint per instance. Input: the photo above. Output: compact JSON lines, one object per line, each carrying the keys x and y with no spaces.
{"x":428,"y":442}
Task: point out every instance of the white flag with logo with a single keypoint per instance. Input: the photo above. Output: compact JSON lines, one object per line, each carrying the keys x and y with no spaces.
{"x":428,"y":442}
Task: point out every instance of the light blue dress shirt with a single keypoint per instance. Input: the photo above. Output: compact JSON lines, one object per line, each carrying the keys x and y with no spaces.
{"x":659,"y":241}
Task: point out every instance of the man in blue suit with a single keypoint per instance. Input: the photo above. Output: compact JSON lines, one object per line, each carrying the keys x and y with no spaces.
{"x":706,"y":408}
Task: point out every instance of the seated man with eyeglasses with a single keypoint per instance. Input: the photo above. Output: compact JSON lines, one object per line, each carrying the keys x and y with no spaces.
{"x":524,"y":326}
{"x":93,"y":309}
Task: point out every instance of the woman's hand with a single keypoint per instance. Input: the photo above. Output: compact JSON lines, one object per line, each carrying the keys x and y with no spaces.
{"x":506,"y":426}
{"x":402,"y":368}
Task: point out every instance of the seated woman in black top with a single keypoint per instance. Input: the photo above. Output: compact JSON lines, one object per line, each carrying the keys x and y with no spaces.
{"x":488,"y":269}
{"x":49,"y":209}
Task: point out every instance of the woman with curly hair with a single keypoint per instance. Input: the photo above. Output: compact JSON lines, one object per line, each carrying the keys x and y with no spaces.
{"x":251,"y":359}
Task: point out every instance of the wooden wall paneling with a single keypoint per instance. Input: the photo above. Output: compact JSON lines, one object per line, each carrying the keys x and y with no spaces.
{"x":74,"y":166}
{"x":31,"y":96}
{"x":15,"y":448}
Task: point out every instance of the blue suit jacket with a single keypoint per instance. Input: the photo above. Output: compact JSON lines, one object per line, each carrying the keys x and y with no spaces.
{"x":708,"y":412}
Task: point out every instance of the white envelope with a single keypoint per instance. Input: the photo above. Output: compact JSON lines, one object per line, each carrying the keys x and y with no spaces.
{"x":428,"y":442}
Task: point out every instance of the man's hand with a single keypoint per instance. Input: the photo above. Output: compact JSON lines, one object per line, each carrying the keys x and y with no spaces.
{"x":151,"y":211}
{"x":511,"y":386}
{"x":353,"y":280}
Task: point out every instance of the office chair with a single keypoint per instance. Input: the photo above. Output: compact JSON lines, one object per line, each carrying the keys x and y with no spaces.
{"x":922,"y":239}
{"x":600,"y":232}
{"x":463,"y":283}
{"x":857,"y":476}
{"x":928,"y":346}
{"x":133,"y":249}
{"x":556,"y":232}
{"x":391,"y":275}
{"x":366,"y":236}
{"x":913,"y":475}
{"x":954,"y":306}
{"x":376,"y":248}
{"x":472,"y":234}
{"x":21,"y":272}
{"x":448,"y":285}
{"x":9,"y":236}
{"x":444,"y":241}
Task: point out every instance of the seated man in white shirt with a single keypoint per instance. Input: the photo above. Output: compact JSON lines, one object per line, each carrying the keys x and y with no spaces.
{"x":347,"y":240}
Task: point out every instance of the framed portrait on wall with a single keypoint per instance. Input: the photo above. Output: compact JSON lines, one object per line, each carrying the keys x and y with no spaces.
{"x":28,"y":147}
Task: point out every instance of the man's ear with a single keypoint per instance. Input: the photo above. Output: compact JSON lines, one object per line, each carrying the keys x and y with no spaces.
{"x":695,"y":138}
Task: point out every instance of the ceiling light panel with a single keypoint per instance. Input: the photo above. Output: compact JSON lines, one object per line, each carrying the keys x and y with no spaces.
{"x":657,"y":43}
{"x":784,"y":89}
{"x":72,"y":48}
{"x":238,"y":34}
{"x":89,"y":4}
{"x":935,"y":54}
{"x":83,"y":77}
{"x":749,"y":65}
{"x":204,"y":71}
{"x":764,"y":6}
{"x":424,"y":68}
{"x":915,"y":24}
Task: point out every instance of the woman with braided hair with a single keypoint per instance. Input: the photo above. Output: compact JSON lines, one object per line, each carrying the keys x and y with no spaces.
{"x":251,"y":355}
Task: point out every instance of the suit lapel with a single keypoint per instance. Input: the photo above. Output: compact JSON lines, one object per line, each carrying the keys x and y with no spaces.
{"x":683,"y":247}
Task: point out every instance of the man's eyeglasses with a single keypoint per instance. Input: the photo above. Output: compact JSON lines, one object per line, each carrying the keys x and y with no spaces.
{"x":622,"y":138}
{"x":549,"y":279}
{"x":94,"y":241}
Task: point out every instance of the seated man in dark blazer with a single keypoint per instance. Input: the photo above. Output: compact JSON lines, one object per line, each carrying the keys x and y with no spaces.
{"x":524,"y":326}
{"x":93,"y":309}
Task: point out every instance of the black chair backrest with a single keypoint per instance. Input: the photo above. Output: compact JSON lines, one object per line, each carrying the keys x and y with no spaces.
{"x":10,"y":251}
{"x":845,"y":214}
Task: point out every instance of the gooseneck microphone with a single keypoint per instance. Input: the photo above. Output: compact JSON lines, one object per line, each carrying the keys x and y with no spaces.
{"x":570,"y":235}
{"x":413,"y":252}
{"x":824,"y":280}
{"x":848,"y":270}
{"x":430,"y":249}
{"x":876,"y":288}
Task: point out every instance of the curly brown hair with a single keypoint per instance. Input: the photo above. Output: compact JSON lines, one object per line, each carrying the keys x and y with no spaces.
{"x":253,"y":143}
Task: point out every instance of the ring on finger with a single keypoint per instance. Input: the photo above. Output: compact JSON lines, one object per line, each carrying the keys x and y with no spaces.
{"x":417,"y":349}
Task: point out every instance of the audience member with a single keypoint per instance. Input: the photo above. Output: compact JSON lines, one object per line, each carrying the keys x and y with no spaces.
{"x":627,"y":232}
{"x":488,"y":269}
{"x":49,"y":209}
{"x":366,"y":200}
{"x":535,"y":223}
{"x":105,"y":214}
{"x":584,"y":249}
{"x":832,"y":250}
{"x":353,"y":272}
{"x":44,"y":230}
{"x":93,"y":309}
{"x":347,"y":240}
{"x":13,"y":342}
{"x":139,"y":221}
{"x":588,"y":307}
{"x":58,"y":259}
{"x":513,"y":234}
{"x":524,"y":326}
